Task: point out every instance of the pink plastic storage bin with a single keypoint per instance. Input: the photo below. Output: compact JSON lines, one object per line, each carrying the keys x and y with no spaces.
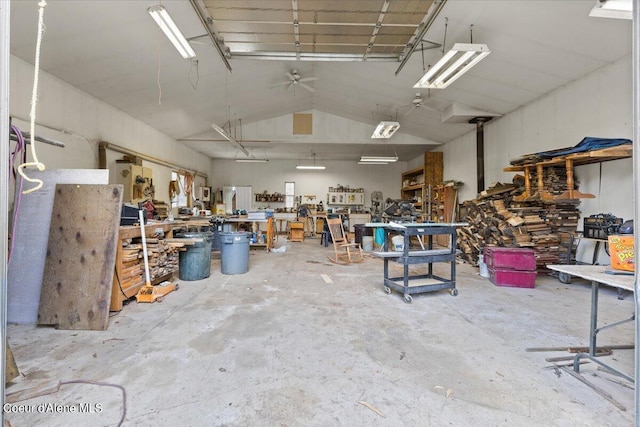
{"x":510,"y":258}
{"x":513,"y":278}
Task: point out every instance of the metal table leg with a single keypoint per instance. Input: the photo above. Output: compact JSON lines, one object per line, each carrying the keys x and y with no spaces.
{"x":593,"y":332}
{"x":594,"y":318}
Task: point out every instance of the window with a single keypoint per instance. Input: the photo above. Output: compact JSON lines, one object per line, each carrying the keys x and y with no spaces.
{"x":289,"y":194}
{"x":179,"y":188}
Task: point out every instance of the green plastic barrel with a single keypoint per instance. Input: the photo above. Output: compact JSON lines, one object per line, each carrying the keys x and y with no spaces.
{"x":195,"y":262}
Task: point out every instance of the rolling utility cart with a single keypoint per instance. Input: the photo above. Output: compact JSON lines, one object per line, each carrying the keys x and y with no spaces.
{"x":427,"y":281}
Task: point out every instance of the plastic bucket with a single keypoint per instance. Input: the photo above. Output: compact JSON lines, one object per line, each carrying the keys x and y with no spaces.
{"x":484,"y":271}
{"x":195,"y":262}
{"x":359,"y":232}
{"x":367,"y":243}
{"x":234,"y":253}
{"x":398,"y":243}
{"x":216,"y":229}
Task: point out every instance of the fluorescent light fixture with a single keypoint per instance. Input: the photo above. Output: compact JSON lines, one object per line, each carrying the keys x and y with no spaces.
{"x":229,"y":138}
{"x":618,"y":9}
{"x":310,"y":167}
{"x":375,"y":159}
{"x":451,"y":66}
{"x":170,"y":29}
{"x":252,"y":160}
{"x":385,"y":130}
{"x":373,"y":163}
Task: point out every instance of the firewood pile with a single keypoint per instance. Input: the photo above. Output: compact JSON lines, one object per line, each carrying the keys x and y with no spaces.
{"x":496,"y":219}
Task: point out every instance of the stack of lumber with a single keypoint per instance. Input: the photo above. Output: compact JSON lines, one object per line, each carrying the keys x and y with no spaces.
{"x":543,"y":225}
{"x":161,"y":208}
{"x":163,"y":258}
{"x":132,"y":267}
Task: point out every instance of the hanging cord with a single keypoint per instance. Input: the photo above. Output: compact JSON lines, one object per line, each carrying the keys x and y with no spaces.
{"x":158,"y":75}
{"x":471,"y":33}
{"x":20,"y":148}
{"x":444,"y":41}
{"x":422,"y":49}
{"x":34,"y":100}
{"x":194,"y":85}
{"x":98,"y":383}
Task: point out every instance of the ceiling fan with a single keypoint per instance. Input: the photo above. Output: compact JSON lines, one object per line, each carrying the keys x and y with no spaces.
{"x":418,"y":102}
{"x":296,"y":79}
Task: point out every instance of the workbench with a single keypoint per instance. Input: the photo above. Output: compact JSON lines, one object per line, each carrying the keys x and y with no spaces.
{"x":427,"y":281}
{"x":270,"y":231}
{"x":596,"y":274}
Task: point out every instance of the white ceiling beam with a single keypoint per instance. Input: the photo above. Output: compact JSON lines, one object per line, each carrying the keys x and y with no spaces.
{"x":376,"y":29}
{"x":296,"y":26}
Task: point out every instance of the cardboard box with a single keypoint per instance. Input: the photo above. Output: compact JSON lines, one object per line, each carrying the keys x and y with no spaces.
{"x":622,"y":252}
{"x":220,"y":209}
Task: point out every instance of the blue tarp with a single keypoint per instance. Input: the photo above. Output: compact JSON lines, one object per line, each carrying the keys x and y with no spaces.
{"x":587,"y":144}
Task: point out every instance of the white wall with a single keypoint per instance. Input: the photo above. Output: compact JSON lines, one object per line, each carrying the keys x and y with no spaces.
{"x":81,"y":121}
{"x":598,"y":105}
{"x":271,"y":177}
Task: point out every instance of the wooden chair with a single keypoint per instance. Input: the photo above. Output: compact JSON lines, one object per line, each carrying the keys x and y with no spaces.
{"x":345,"y":252}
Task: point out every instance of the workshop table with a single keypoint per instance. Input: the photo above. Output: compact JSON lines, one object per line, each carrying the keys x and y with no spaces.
{"x":596,"y":274}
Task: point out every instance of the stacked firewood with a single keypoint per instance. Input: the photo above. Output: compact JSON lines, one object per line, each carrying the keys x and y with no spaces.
{"x":495,"y":219}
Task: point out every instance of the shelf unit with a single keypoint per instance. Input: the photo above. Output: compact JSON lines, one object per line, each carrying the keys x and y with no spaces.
{"x":345,"y":198}
{"x":269,"y":198}
{"x":413,"y":187}
{"x":129,"y":274}
{"x":425,"y":281}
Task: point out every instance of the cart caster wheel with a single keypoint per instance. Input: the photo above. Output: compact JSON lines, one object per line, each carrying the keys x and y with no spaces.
{"x":564,"y":278}
{"x":408,"y":298}
{"x":160,"y":299}
{"x":177,"y":286}
{"x":387,"y":290}
{"x":454,"y":292}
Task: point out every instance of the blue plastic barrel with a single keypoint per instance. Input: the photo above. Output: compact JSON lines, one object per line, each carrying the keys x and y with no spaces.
{"x":234,"y":253}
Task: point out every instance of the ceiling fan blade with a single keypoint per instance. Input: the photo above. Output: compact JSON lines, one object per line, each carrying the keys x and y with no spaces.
{"x":307,"y":87}
{"x":429,"y":107}
{"x":307,"y":79}
{"x":280,"y":84}
{"x":291,"y":77}
{"x":410,"y":110}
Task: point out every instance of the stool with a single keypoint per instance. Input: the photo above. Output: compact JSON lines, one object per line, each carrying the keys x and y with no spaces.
{"x":296,"y":231}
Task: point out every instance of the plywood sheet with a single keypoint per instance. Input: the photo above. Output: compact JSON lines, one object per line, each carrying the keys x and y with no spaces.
{"x":302,"y":124}
{"x":433,"y":167}
{"x":81,"y":256}
{"x":31,"y":233}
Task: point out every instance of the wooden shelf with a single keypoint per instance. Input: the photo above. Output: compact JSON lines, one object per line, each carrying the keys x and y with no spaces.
{"x":129,"y":275}
{"x":579,"y":159}
{"x":413,"y":187}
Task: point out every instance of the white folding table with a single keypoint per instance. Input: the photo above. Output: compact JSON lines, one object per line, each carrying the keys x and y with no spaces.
{"x":596,"y":274}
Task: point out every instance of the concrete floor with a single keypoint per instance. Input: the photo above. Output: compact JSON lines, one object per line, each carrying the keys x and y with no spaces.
{"x":281,"y":346}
